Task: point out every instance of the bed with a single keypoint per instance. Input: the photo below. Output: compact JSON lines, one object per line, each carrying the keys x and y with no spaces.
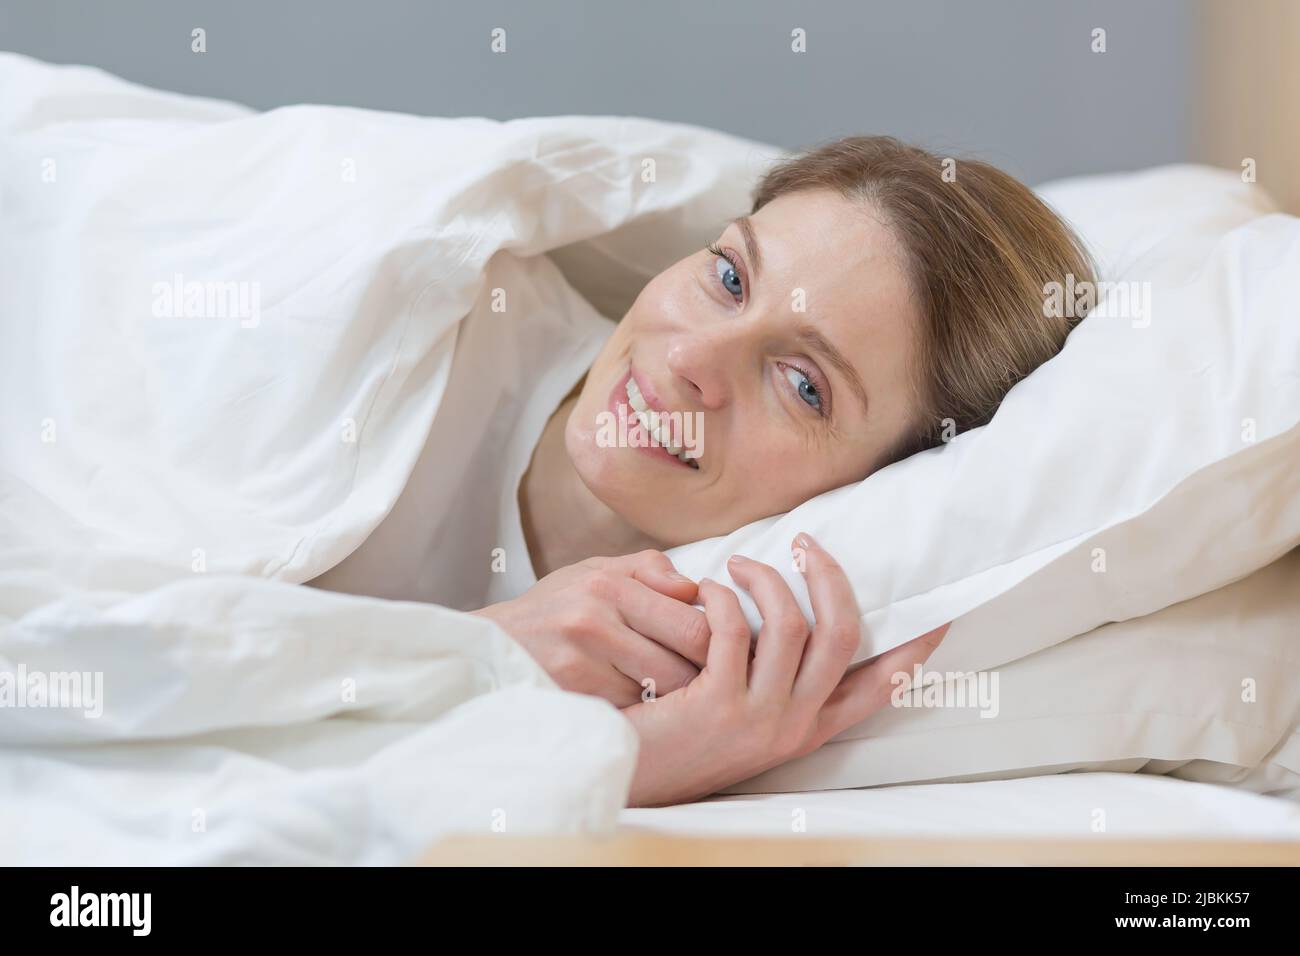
{"x":1074,"y":819}
{"x":160,"y":540}
{"x":1082,"y":805}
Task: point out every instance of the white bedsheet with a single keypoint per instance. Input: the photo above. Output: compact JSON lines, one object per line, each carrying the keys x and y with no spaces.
{"x":1130,"y":804}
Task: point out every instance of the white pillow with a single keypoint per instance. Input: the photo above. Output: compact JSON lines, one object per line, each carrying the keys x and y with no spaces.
{"x":1123,"y":216}
{"x":1208,"y":689}
{"x":1169,"y":443}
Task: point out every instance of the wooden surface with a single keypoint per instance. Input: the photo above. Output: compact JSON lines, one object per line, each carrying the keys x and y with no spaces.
{"x":661,"y":850}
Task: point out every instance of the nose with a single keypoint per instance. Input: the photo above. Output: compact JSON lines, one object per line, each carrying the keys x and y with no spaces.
{"x":705,"y":360}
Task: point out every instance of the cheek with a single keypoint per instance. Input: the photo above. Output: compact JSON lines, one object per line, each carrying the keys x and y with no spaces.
{"x":611,"y":353}
{"x":776,"y":468}
{"x":767,"y":464}
{"x":660,"y":309}
{"x":668,"y":299}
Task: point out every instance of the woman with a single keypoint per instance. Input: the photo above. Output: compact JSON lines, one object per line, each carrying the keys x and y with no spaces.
{"x":876,"y":300}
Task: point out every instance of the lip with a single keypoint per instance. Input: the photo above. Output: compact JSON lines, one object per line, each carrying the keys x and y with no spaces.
{"x":618,"y":396}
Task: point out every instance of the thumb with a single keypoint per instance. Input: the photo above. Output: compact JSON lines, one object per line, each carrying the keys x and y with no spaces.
{"x":658,"y":573}
{"x":866,"y":690}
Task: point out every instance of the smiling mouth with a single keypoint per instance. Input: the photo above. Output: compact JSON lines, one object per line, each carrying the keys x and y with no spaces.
{"x":657,"y":425}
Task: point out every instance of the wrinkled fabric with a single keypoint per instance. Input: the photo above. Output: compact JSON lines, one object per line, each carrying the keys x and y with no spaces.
{"x":225,"y":337}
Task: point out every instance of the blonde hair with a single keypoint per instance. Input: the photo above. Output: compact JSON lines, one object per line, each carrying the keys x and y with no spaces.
{"x":979,"y":247}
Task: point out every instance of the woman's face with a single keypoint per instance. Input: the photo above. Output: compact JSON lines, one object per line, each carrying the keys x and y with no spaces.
{"x":787,"y":368}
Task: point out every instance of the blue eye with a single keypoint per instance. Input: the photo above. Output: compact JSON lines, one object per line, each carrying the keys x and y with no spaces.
{"x":730,"y":280}
{"x":727,"y":273}
{"x":804,"y":386}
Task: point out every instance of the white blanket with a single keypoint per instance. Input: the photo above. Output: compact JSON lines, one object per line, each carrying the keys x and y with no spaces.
{"x":223,"y":337}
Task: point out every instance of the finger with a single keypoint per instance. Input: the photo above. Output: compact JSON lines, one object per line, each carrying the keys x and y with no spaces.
{"x":728,"y":661}
{"x":867,"y":689}
{"x":655,"y":570}
{"x":676,"y":625}
{"x":620,"y":689}
{"x":784,"y":632}
{"x":644,"y":660}
{"x":837,"y":628}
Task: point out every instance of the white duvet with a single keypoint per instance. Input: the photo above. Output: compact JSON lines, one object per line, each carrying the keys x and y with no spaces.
{"x":224,"y":336}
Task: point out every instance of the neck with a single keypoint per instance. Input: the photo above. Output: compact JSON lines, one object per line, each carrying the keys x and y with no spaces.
{"x":563,"y":522}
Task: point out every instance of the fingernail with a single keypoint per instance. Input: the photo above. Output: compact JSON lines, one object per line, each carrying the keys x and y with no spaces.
{"x":679,"y":577}
{"x":737,"y":559}
{"x":804,"y":540}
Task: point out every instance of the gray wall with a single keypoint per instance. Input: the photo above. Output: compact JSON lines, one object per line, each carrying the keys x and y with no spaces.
{"x":1012,"y":81}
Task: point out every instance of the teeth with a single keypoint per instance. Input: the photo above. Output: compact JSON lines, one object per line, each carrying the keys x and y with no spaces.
{"x":634,"y":396}
{"x":657,"y":426}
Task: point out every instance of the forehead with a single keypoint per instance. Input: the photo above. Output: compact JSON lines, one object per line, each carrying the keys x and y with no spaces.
{"x":850,"y":267}
{"x":821,"y":235}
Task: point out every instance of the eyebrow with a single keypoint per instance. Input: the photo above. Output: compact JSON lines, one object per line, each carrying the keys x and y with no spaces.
{"x":809,"y":335}
{"x":751,"y":243}
{"x":819,"y":343}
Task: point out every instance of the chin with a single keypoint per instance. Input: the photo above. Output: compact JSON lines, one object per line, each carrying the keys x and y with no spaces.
{"x":593,"y":464}
{"x":618,"y":478}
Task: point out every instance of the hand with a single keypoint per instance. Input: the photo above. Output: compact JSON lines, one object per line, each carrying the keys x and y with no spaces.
{"x":742,"y":716}
{"x":605,"y":625}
